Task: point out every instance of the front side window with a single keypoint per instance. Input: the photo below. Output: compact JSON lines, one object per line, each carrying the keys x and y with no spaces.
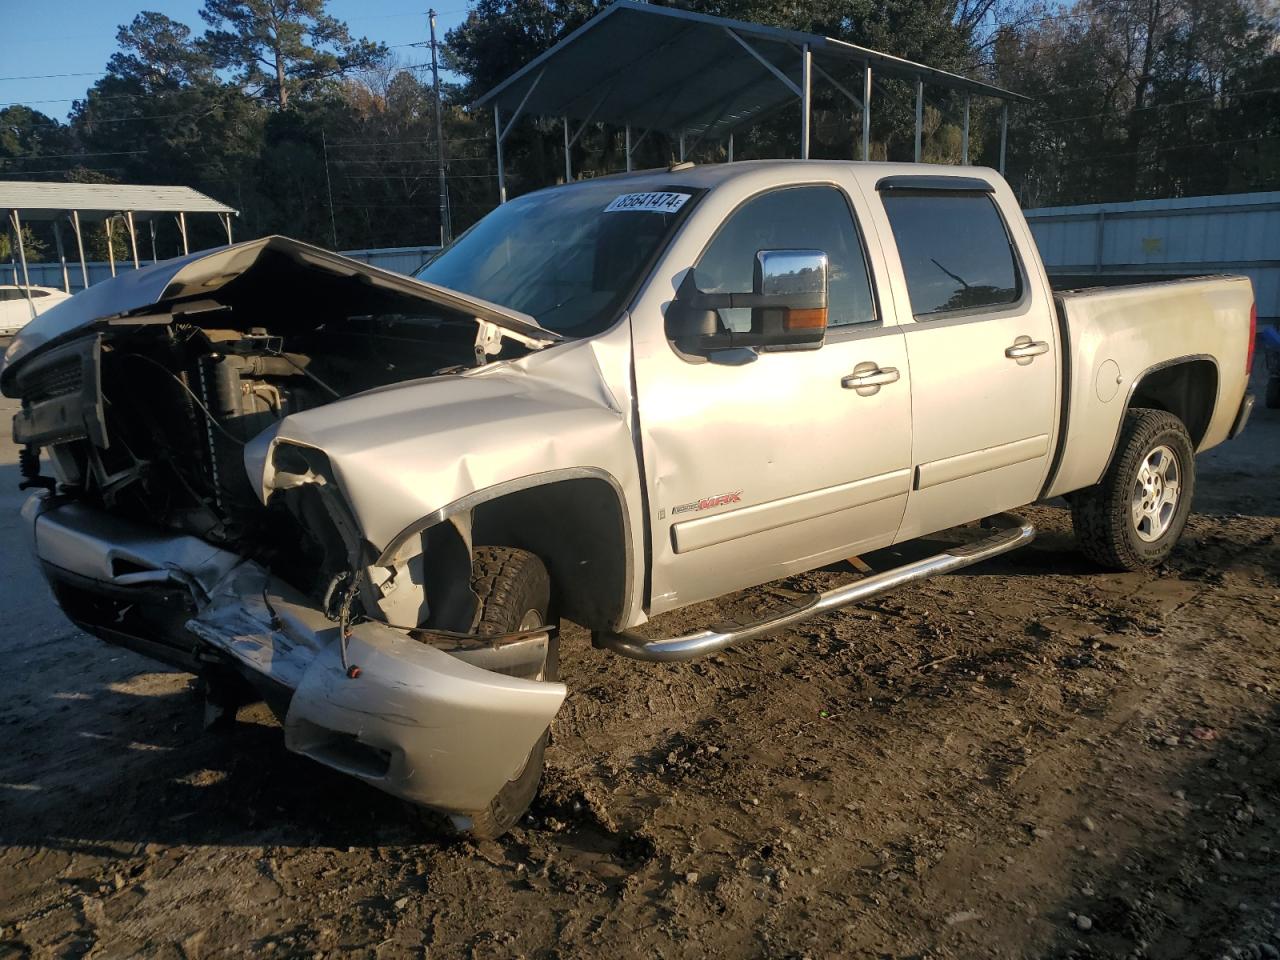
{"x":568,"y":256}
{"x":955,"y":251}
{"x":793,"y":218}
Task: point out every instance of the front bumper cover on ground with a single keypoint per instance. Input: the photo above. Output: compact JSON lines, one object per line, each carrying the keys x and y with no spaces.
{"x":417,"y":722}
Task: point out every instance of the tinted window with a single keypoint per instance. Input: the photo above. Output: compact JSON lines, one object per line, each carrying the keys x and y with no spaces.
{"x":954,"y":250}
{"x":567,"y":256}
{"x":796,"y":218}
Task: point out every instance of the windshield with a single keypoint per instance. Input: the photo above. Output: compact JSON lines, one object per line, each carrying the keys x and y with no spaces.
{"x":568,"y":256}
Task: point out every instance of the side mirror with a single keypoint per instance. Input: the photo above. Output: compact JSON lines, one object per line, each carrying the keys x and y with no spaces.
{"x":788,"y":306}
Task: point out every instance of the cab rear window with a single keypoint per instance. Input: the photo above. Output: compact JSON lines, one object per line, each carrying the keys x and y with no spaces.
{"x":955,"y":251}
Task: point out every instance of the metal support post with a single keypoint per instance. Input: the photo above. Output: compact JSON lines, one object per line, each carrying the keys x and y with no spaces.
{"x":806,"y":77}
{"x":133,"y":238}
{"x":682,"y":146}
{"x":111,"y":247}
{"x":628,"y":147}
{"x":919,"y":117}
{"x":568,"y":155}
{"x":731,"y":146}
{"x":500,"y":132}
{"x":866,"y":111}
{"x":84,"y":267}
{"x":498,"y":136}
{"x":152,"y":224}
{"x":964,"y":140}
{"x":22,"y":258}
{"x":182,"y":229}
{"x":62,"y":255}
{"x":226,"y":221}
{"x":328,"y":188}
{"x":1004,"y":133}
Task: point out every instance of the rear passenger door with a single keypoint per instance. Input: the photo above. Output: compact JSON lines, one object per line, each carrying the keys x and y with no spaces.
{"x":982,"y":345}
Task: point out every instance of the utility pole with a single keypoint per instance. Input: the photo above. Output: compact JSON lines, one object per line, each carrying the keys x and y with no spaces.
{"x":446,"y":230}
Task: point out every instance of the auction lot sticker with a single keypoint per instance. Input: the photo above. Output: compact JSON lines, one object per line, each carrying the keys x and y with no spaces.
{"x":659,"y":202}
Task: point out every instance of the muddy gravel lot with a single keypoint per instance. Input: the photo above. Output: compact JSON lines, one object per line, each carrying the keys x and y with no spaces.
{"x":1034,"y":759}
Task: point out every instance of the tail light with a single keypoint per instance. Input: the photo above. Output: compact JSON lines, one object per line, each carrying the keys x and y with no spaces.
{"x":1253,"y":339}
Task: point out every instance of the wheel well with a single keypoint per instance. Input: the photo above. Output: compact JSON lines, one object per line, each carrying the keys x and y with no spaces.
{"x":578,"y":528}
{"x":1187,"y":389}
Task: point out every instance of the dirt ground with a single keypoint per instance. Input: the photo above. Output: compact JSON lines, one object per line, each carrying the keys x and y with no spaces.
{"x":1034,"y":759}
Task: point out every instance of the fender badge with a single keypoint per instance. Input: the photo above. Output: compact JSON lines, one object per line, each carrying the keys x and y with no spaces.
{"x":708,"y":503}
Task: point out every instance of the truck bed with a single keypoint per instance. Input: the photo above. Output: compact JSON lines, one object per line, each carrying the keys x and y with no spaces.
{"x":1111,"y":332}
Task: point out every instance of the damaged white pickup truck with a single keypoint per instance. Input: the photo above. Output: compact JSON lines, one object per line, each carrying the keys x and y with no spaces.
{"x":370,"y":498}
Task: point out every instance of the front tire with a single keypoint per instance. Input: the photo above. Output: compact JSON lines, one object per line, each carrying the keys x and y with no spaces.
{"x":1133,"y":517}
{"x":514,"y":590}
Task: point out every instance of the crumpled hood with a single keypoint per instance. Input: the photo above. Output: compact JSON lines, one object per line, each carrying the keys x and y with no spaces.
{"x":193,"y":281}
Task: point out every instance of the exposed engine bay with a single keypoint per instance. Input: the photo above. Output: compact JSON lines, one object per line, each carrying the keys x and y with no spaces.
{"x":180,"y":401}
{"x":148,"y":417}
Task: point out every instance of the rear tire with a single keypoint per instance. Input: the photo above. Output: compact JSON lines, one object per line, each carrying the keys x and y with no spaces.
{"x":1133,"y":517}
{"x":514,"y":590}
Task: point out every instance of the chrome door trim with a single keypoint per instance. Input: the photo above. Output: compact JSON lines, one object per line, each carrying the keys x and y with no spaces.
{"x":980,"y":461}
{"x":690,"y":535}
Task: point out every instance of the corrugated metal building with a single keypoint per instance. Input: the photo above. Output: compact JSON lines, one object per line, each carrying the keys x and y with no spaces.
{"x":1237,"y":233}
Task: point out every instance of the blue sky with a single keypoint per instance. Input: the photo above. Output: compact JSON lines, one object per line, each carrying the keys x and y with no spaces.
{"x":77,"y":37}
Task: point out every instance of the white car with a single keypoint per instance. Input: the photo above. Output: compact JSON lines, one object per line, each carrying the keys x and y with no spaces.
{"x":16,"y":302}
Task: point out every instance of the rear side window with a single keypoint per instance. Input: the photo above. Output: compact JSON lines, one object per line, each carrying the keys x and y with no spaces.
{"x":793,"y":218}
{"x":955,"y":251}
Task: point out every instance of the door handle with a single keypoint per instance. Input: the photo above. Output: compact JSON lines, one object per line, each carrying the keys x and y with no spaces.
{"x":875,"y":378}
{"x":1024,"y":350}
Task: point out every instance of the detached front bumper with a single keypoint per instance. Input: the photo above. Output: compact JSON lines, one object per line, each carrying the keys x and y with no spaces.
{"x":417,"y":722}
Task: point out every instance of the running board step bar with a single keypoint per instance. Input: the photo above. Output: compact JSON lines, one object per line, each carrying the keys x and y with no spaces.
{"x":1012,"y":532}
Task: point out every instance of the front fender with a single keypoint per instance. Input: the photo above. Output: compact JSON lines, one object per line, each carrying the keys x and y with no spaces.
{"x":408,"y":456}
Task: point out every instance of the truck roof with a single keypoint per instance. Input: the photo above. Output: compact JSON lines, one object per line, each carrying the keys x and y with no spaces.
{"x":713,"y":174}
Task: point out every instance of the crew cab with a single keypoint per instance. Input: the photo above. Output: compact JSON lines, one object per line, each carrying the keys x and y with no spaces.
{"x":369,"y":498}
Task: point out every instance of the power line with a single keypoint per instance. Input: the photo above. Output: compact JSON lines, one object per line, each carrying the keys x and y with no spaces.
{"x":56,"y":76}
{"x":66,"y":156}
{"x":32,"y":173}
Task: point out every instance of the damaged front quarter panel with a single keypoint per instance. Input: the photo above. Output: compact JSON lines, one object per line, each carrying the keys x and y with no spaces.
{"x":402,"y":456}
{"x":424,"y":704}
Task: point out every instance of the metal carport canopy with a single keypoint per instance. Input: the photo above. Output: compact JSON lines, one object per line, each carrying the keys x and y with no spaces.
{"x":98,"y":201}
{"x":52,"y":201}
{"x":654,"y":67}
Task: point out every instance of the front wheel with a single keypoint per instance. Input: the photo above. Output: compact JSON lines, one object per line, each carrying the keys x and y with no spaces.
{"x":514,"y":590}
{"x":1133,"y":517}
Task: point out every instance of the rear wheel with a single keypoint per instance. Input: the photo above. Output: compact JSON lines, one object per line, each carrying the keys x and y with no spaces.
{"x":515,"y":594}
{"x":1133,"y":517}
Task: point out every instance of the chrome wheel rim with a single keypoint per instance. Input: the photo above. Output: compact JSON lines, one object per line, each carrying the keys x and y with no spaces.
{"x":1156,"y":492}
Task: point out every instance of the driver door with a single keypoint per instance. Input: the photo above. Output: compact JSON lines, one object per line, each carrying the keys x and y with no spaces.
{"x":766,"y":468}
